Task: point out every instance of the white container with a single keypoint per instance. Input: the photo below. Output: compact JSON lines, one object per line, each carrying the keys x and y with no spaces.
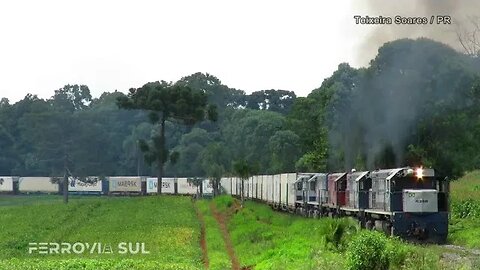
{"x":269,"y":188}
{"x":184,"y":187}
{"x":291,"y":179}
{"x":6,"y":184}
{"x":207,"y":187}
{"x":420,"y":200}
{"x":37,"y":184}
{"x":125,"y":183}
{"x":276,"y":188}
{"x":226,"y":183}
{"x":92,"y":184}
{"x":255,"y":187}
{"x":168,"y":185}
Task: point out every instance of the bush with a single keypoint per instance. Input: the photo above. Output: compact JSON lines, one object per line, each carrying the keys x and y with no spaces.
{"x":366,"y":251}
{"x":466,"y":209}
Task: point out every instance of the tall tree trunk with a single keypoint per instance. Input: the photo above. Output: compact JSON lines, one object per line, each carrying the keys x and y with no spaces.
{"x":161,"y":158}
{"x":65,"y":181}
{"x":65,"y":188}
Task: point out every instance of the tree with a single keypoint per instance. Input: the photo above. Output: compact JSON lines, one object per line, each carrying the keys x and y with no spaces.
{"x":285,"y":148}
{"x":197,"y":182}
{"x":52,"y":129}
{"x":272,"y":100}
{"x":244,"y":170}
{"x":165,"y":101}
{"x":214,"y":162}
{"x":468,"y":36}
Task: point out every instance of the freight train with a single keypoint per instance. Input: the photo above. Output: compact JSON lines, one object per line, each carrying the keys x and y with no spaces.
{"x":412,"y":203}
{"x":112,"y":185}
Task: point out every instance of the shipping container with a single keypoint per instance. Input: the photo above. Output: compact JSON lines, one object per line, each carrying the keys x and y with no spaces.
{"x":186,"y":187}
{"x":168,"y":185}
{"x":37,"y":184}
{"x":255,"y":187}
{"x":91,"y":184}
{"x":125,"y":184}
{"x":276,"y":189}
{"x":226,"y":183}
{"x":291,"y":179}
{"x":269,"y":188}
{"x":7,"y":184}
{"x":207,"y":187}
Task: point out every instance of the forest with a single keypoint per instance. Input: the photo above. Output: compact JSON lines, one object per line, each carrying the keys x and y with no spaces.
{"x":417,"y":103}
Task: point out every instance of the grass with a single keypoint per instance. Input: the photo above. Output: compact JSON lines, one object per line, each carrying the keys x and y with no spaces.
{"x":465,"y":210}
{"x":167,"y":225}
{"x":217,"y":253}
{"x":265,"y":239}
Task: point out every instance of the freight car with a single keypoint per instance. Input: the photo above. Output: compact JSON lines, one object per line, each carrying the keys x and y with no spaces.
{"x":89,"y":186}
{"x":8,"y":184}
{"x":125,"y":185}
{"x":28,"y":185}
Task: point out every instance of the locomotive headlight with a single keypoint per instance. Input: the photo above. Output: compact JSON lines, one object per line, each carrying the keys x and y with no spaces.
{"x":419,"y":172}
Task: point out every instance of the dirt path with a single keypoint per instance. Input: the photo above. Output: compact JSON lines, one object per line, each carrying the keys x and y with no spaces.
{"x":203,"y":242}
{"x":222,"y":223}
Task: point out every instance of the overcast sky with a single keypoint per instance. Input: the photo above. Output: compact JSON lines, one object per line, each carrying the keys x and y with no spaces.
{"x":108,"y":45}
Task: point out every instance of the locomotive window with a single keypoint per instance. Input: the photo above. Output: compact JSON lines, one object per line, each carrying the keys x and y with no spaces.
{"x":312,"y":185}
{"x":299,"y":185}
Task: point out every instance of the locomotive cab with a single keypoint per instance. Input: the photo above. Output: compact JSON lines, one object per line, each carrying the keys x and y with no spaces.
{"x":411,"y":203}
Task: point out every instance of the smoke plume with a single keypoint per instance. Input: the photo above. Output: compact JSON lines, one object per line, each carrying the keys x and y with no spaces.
{"x":460,"y":12}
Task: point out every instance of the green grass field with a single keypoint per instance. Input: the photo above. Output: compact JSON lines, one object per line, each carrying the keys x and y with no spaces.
{"x":167,"y":225}
{"x":465,"y":209}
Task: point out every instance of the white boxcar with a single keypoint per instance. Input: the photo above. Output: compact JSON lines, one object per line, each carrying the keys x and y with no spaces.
{"x":263,"y":189}
{"x":226,"y":183}
{"x":168,"y":185}
{"x":291,"y":179}
{"x":37,"y":184}
{"x":255,"y":187}
{"x":91,"y":184}
{"x":207,"y":187}
{"x":269,"y":188}
{"x":287,"y":188}
{"x":125,"y":183}
{"x":6,"y":183}
{"x":184,"y":187}
{"x":235,"y":189}
{"x":248,"y":187}
{"x":276,"y":188}
{"x":234,"y":186}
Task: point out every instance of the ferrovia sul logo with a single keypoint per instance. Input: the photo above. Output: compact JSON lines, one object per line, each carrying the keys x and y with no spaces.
{"x":84,"y":248}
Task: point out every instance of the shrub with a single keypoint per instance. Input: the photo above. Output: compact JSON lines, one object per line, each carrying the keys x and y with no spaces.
{"x":466,"y":209}
{"x":366,"y":251}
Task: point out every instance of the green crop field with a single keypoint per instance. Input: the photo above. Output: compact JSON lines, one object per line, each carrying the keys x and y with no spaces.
{"x":167,"y":225}
{"x":465,"y":218}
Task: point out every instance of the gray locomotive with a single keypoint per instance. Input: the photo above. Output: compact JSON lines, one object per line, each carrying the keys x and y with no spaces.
{"x":406,"y":202}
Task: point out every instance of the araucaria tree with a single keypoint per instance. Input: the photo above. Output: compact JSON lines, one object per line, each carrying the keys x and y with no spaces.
{"x":165,"y":101}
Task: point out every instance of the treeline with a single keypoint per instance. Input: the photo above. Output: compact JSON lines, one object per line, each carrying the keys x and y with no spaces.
{"x":418,"y":103}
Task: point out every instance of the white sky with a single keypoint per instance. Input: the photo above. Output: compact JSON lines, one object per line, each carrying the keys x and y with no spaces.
{"x":108,"y":45}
